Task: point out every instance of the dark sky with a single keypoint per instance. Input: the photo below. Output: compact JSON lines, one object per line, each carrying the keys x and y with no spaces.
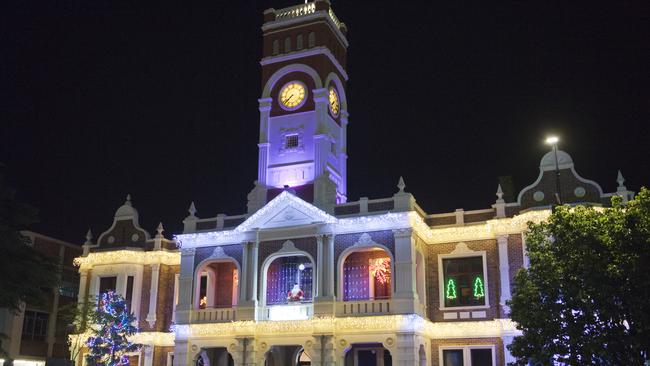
{"x":101,"y":100}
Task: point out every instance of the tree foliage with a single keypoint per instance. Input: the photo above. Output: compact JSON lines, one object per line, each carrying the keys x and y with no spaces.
{"x":24,"y":272}
{"x":112,"y":325}
{"x":584,"y":299}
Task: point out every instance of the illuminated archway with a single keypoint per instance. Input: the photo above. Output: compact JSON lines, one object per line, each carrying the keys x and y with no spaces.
{"x":217,"y":284}
{"x":366,"y":274}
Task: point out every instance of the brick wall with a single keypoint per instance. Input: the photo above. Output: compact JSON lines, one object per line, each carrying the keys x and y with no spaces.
{"x":164,"y":301}
{"x":515,"y":256}
{"x":437,"y":343}
{"x":492,"y":259}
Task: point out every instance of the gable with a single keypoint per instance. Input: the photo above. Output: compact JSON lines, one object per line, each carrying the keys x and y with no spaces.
{"x":285,"y":210}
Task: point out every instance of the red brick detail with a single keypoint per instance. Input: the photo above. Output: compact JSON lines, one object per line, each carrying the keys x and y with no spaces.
{"x":165,"y":302}
{"x":515,"y":257}
{"x":461,"y":342}
{"x":144,"y":300}
{"x":492,"y":259}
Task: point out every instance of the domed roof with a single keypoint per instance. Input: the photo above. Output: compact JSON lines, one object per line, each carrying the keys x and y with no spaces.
{"x":564,"y":160}
{"x":126,"y":210}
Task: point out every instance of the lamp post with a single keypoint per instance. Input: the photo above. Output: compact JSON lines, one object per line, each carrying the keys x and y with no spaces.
{"x":553,"y":140}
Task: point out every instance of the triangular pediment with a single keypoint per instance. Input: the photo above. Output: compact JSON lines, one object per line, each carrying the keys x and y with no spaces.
{"x":285,"y":210}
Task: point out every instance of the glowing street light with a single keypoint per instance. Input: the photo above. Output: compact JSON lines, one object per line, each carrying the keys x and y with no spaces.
{"x":553,"y":140}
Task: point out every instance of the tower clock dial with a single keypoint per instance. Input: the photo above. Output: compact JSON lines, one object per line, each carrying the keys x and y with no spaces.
{"x":292,"y":95}
{"x":335,"y":105}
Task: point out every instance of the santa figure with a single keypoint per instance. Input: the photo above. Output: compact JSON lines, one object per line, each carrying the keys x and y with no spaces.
{"x":295,"y":294}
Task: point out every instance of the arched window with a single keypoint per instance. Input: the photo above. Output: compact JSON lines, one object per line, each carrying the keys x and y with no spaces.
{"x":289,"y":280}
{"x":287,"y":44}
{"x":276,"y":47}
{"x":367,"y":275}
{"x":217,"y":284}
{"x":299,"y":42}
{"x":311,"y":40}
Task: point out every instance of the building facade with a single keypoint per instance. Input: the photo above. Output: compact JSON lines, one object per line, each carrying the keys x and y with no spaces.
{"x":36,"y":334}
{"x":306,"y":277}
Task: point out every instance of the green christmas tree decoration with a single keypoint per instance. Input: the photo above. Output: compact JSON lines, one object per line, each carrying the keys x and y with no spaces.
{"x":479,"y":291}
{"x":113,"y":324}
{"x":451,"y":289}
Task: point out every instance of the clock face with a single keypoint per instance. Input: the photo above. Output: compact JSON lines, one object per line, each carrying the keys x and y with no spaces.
{"x":292,"y":95}
{"x":335,"y":105}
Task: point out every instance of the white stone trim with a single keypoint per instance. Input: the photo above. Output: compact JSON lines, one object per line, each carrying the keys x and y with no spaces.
{"x":466,"y":352}
{"x":462,"y":251}
{"x":320,"y":50}
{"x":121,"y":271}
{"x":270,"y":84}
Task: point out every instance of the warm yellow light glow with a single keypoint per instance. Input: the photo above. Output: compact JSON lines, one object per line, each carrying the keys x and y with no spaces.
{"x":292,"y":95}
{"x":334,"y":102}
{"x":353,"y":325}
{"x":129,"y":257}
{"x":552,"y":140}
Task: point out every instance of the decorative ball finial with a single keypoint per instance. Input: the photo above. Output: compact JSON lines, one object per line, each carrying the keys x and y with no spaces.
{"x":401,"y":185}
{"x":128,"y":200}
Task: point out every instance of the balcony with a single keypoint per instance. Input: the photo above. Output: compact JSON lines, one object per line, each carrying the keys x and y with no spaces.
{"x":213,"y":315}
{"x":363,"y":308}
{"x":297,"y":311}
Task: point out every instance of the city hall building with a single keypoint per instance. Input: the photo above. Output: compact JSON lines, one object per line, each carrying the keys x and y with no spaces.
{"x":306,"y":276}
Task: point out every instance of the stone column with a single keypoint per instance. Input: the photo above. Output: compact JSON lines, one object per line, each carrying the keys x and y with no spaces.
{"x":246,"y":306}
{"x":507,"y":340}
{"x":504,"y":272}
{"x":185,"y":287}
{"x":405,"y":351}
{"x":313,"y":347}
{"x":324,"y":301}
{"x":405,"y":298}
{"x":262,"y":162}
{"x":153,"y":295}
{"x":181,"y":353}
{"x":147,"y":351}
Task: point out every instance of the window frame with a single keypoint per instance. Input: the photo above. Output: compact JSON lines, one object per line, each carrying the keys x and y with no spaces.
{"x":467,"y":360}
{"x":32,"y":336}
{"x":441,"y":279}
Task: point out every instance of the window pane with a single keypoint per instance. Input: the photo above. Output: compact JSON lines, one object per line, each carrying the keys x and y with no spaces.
{"x":464,"y":284}
{"x":107,"y":284}
{"x":452,"y":357}
{"x":481,"y":357}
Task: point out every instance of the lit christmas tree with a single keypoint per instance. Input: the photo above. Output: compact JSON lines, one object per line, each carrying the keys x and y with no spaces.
{"x":113,"y":324}
{"x":478,"y":288}
{"x":451,"y":289}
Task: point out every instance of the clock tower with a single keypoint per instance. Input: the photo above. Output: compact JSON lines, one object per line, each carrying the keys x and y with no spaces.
{"x":303,"y":106}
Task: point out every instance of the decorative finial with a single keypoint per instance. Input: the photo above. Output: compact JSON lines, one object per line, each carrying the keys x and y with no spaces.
{"x":192,"y":209}
{"x":401,"y":185}
{"x":128,"y":200}
{"x":89,"y":237}
{"x":160,"y":229}
{"x":499,"y":192}
{"x":620,"y":179}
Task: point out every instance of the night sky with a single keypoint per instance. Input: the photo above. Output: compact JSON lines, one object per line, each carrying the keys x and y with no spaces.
{"x":103,"y":99}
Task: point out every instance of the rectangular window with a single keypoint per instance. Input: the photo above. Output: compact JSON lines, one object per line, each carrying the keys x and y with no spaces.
{"x":463,"y":283}
{"x":107,"y":284}
{"x":69,"y":285}
{"x":35,"y":325}
{"x":468,"y":356}
{"x":129,"y":291}
{"x":291,"y":142}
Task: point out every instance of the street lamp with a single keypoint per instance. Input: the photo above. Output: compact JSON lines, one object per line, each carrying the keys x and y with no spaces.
{"x":553,"y":140}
